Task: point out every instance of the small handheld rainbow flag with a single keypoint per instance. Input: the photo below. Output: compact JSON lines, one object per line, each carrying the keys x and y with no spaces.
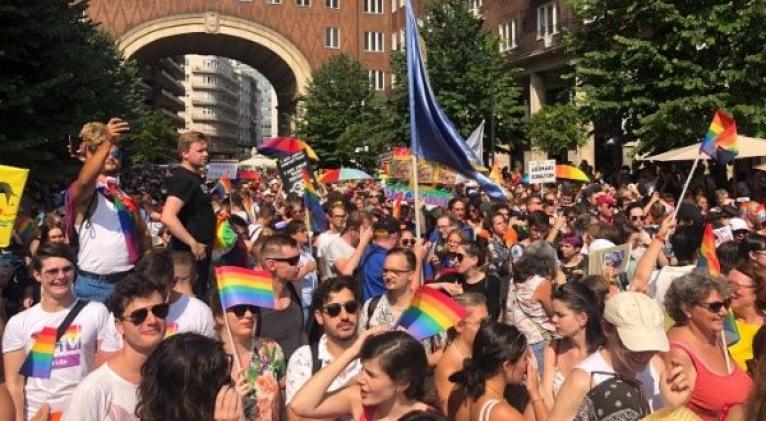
{"x":39,"y":361}
{"x":319,"y":219}
{"x":238,"y":286}
{"x":429,"y":313}
{"x":571,"y":173}
{"x":225,"y":237}
{"x":707,"y":259}
{"x":223,"y":185}
{"x":730,"y":330}
{"x":721,"y":138}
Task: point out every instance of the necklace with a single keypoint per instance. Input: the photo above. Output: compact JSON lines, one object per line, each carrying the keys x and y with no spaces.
{"x":493,"y":390}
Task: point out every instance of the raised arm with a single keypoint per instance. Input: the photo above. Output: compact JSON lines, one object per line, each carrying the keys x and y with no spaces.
{"x":648,"y":261}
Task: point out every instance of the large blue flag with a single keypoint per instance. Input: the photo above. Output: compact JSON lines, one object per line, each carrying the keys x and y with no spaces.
{"x":434,"y":137}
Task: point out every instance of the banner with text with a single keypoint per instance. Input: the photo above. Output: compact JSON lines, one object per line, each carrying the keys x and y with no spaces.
{"x":291,"y":170}
{"x":429,"y":195}
{"x":217,"y":169}
{"x":542,"y":171}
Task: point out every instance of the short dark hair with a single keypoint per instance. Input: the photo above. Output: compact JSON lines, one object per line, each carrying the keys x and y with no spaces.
{"x":295,"y":226}
{"x":473,"y":249}
{"x":48,"y":250}
{"x":454,"y":200}
{"x":274,"y":244}
{"x":408,"y":255}
{"x":135,"y":285}
{"x":157,"y":265}
{"x":183,"y":258}
{"x":322,"y":292}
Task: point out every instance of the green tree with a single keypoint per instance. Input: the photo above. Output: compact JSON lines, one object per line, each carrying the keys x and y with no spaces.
{"x":655,"y":70}
{"x":156,"y":143}
{"x":57,"y":71}
{"x":340,"y":113}
{"x":467,"y":72}
{"x":557,"y":128}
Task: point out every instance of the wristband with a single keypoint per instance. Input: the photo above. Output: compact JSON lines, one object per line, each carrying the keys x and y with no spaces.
{"x":659,"y":237}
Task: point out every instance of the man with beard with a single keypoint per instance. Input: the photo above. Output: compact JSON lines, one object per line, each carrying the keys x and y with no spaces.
{"x":101,"y":218}
{"x":109,"y":392}
{"x":336,"y":309}
{"x":188,"y":213}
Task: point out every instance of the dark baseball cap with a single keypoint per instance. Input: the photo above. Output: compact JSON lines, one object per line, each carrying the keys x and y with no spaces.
{"x":387,"y":224}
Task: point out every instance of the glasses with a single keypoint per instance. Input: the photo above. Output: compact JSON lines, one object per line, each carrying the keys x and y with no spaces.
{"x":637,"y":217}
{"x":333,"y":310}
{"x":241,"y":309}
{"x":736,"y":287}
{"x":66,"y":270}
{"x":137,"y":317}
{"x":408,"y":242}
{"x":459,"y":257}
{"x":396,"y":272}
{"x":716,"y":306}
{"x":116,"y":155}
{"x":292,"y":261}
{"x":444,"y":227}
{"x":340,"y":216}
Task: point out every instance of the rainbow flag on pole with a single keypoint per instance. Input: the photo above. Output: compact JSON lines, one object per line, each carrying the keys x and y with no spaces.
{"x":319,"y":219}
{"x":707,"y":260}
{"x":225,"y":237}
{"x":430,"y":312}
{"x":570,"y":172}
{"x":237,"y":286}
{"x":721,"y":138}
{"x":39,"y":361}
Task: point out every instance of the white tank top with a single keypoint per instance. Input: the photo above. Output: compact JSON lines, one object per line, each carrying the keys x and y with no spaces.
{"x":102,"y":244}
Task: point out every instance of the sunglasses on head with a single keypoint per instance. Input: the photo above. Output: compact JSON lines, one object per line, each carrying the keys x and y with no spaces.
{"x":333,"y":310}
{"x":408,"y":242}
{"x":292,"y":261}
{"x":137,"y":317}
{"x":716,"y":306}
{"x":241,"y":309}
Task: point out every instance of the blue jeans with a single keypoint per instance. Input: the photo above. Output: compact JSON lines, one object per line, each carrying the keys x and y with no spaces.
{"x":93,"y":289}
{"x":538,"y":349}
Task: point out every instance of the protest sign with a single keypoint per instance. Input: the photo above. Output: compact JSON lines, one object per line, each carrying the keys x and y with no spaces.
{"x":615,"y":257}
{"x":542,"y":171}
{"x":291,"y":170}
{"x":428,"y":195}
{"x":723,"y":235}
{"x":217,"y":169}
{"x":11,"y":190}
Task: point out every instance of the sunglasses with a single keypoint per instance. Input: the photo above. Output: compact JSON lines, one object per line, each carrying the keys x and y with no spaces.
{"x":137,"y":317}
{"x":408,"y":242}
{"x":241,"y":309}
{"x":637,"y":217}
{"x":116,"y":155}
{"x":716,"y":306}
{"x":333,"y":310}
{"x":459,"y":257}
{"x":292,"y":261}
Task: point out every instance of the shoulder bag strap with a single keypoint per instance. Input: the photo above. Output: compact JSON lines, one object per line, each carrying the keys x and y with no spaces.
{"x":79,"y":305}
{"x":316,"y":363}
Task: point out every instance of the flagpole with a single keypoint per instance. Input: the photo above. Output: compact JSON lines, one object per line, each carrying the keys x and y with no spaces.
{"x":725,"y":352}
{"x":231,"y":340}
{"x":686,"y":185}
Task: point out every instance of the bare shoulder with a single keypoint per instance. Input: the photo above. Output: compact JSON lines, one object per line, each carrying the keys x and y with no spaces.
{"x":504,"y":411}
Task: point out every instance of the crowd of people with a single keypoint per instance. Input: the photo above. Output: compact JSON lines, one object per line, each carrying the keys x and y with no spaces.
{"x":120,"y":273}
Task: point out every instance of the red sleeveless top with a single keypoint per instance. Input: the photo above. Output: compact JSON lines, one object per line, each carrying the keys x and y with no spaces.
{"x":714,"y":393}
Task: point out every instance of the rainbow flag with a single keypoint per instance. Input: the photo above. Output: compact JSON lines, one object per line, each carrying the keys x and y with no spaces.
{"x":238,"y":286}
{"x":396,"y":212}
{"x":39,"y":361}
{"x":721,"y":138}
{"x":707,"y":259}
{"x":24,"y":229}
{"x":571,"y":173}
{"x":430,"y":312}
{"x":319,"y":219}
{"x":730,"y":330}
{"x":225,"y":237}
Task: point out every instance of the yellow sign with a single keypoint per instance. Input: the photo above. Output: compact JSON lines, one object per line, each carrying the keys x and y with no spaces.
{"x":12,"y":181}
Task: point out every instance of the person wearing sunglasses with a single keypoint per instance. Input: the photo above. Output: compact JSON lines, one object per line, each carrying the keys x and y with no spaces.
{"x":336,"y":309}
{"x":699,"y":303}
{"x":262,"y":359}
{"x":139,"y":310}
{"x":280,"y":257}
{"x":54,"y":268}
{"x":605,"y":208}
{"x":95,"y":225}
{"x":471,"y":259}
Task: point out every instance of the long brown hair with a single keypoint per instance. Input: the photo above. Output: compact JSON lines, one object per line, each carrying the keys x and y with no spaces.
{"x":755,"y":407}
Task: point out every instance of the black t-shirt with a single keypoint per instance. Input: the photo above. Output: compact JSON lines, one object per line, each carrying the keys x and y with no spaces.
{"x":285,"y":327}
{"x":197,"y":214}
{"x":489,"y":287}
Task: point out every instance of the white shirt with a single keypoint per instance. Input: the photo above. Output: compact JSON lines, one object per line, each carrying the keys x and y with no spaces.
{"x":299,"y":369}
{"x":72,"y":358}
{"x":660,"y":281}
{"x":103,"y":396}
{"x":322,"y":241}
{"x":102,"y":232}
{"x":336,"y":249}
{"x":187,"y":314}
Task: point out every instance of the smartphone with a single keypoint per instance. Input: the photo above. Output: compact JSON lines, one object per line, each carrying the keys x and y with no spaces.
{"x":135,"y":126}
{"x":72,"y":142}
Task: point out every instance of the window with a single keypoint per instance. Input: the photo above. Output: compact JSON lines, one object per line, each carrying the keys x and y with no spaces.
{"x":476,"y":7}
{"x":332,"y":4}
{"x":373,"y":42}
{"x":508,"y":38}
{"x":377,"y":81}
{"x":273,"y":1}
{"x":373,"y":6}
{"x":332,"y":37}
{"x":394,"y":41}
{"x":303,"y":3}
{"x":547,"y":20}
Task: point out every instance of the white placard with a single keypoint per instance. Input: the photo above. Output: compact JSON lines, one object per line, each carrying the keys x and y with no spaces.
{"x":217,"y":169}
{"x":723,"y":235}
{"x":542,"y":171}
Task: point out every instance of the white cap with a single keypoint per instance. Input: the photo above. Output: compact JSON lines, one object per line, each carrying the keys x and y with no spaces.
{"x":738,"y":224}
{"x":638,"y":320}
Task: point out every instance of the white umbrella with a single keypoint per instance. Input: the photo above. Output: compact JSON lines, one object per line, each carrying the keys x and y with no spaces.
{"x":258,"y":161}
{"x":749,"y":147}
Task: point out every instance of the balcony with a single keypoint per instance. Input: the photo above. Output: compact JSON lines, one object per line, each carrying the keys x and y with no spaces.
{"x":214,"y":117}
{"x":222,"y":69}
{"x":529,"y":45}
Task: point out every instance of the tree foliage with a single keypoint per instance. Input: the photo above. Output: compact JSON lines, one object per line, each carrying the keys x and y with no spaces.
{"x":156,"y":143}
{"x":340,"y":113}
{"x":557,"y":128}
{"x":57,"y":71}
{"x":656,"y":70}
{"x":467,"y":72}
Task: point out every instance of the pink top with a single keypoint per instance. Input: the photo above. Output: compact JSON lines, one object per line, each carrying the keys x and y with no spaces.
{"x":368,"y":414}
{"x":714,"y":393}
